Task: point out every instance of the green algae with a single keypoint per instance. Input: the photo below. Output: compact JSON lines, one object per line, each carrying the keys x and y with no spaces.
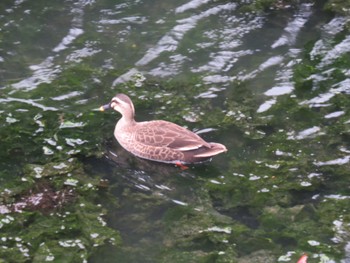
{"x":338,"y":7}
{"x":285,"y":180}
{"x":267,"y":5}
{"x":226,"y":230}
{"x":263,"y":207}
{"x":42,"y":225}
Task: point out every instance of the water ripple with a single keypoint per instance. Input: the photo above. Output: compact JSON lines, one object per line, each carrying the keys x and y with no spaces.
{"x":228,"y":40}
{"x":67,"y":96}
{"x":170,"y":41}
{"x":335,"y":26}
{"x":78,"y":55}
{"x":191,"y":5}
{"x":319,"y":100}
{"x":47,"y":70}
{"x":334,"y":114}
{"x":307,"y":133}
{"x":30,"y":102}
{"x":336,"y":52}
{"x":338,"y":161}
{"x":124,"y":20}
{"x":44,"y":72}
{"x":293,"y":28}
{"x":67,"y":40}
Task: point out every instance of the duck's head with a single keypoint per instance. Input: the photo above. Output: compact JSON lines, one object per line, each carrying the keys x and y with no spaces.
{"x":121,"y":103}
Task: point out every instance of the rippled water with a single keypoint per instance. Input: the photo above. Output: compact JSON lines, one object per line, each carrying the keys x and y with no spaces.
{"x":287,"y":139}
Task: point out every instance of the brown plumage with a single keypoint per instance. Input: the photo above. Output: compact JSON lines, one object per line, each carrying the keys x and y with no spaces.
{"x":158,"y":140}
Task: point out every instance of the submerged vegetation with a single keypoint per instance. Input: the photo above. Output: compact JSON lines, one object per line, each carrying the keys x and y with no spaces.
{"x":52,"y":213}
{"x":335,"y":6}
{"x":281,"y":190}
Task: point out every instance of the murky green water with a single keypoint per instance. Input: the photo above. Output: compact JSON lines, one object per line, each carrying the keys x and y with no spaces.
{"x":273,"y":87}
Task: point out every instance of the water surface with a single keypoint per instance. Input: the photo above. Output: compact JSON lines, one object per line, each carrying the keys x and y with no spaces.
{"x":273,"y":87}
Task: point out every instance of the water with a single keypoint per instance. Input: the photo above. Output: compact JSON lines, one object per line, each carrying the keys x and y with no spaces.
{"x":272,"y":87}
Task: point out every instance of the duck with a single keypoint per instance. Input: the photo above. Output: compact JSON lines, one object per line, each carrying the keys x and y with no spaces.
{"x":158,"y":140}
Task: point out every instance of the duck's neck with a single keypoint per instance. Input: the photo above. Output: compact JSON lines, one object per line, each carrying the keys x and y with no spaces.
{"x":127,"y":119}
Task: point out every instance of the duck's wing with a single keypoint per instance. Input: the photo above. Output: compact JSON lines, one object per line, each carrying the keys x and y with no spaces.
{"x":167,"y":134}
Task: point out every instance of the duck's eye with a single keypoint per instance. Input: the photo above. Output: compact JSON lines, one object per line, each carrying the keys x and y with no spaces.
{"x":113,"y":104}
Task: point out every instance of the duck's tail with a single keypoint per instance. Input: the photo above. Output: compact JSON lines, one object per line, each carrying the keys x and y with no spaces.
{"x":215,"y":148}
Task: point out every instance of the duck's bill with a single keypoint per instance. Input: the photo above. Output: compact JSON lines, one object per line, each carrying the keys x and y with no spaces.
{"x":105,"y":107}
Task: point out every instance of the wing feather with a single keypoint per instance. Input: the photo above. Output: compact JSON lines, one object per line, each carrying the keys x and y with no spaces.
{"x":167,"y":134}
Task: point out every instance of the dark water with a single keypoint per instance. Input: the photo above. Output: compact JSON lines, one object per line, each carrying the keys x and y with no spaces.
{"x":272,"y":87}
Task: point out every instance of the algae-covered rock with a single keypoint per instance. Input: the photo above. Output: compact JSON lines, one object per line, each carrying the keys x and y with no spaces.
{"x":258,"y":256}
{"x":51,"y":169}
{"x":57,"y":204}
{"x":338,"y":6}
